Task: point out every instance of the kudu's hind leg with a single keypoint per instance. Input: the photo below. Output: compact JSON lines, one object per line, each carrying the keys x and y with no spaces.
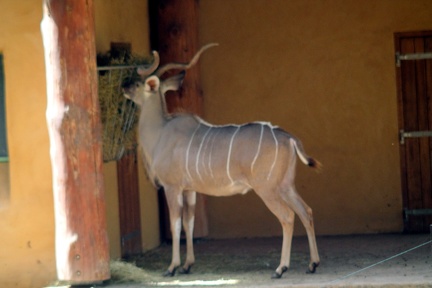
{"x":286,"y":217}
{"x":304,"y":212}
{"x":188,"y":226}
{"x":175,"y":206}
{"x":287,"y":229}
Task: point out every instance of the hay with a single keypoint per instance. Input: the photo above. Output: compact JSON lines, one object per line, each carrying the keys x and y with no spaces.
{"x":119,"y":115}
{"x":121,"y":273}
{"x":124,"y":272}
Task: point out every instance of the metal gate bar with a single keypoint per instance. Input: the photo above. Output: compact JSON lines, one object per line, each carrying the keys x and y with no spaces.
{"x":413,"y":134}
{"x":416,"y":212}
{"x":411,"y":56}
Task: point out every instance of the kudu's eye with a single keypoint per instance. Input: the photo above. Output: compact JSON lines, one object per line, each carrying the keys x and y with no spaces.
{"x":130,"y":84}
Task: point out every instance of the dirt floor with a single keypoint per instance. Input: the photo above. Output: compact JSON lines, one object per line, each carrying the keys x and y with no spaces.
{"x":390,"y":260}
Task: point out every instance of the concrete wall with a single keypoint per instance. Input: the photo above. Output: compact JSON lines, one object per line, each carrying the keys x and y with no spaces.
{"x":325,"y":71}
{"x":27,"y":256}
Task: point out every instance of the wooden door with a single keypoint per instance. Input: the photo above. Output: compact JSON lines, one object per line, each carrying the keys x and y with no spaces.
{"x":414,"y":79}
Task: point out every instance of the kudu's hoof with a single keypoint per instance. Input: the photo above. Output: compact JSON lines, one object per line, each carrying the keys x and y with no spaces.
{"x":182,"y":270}
{"x":312,"y":269}
{"x":277,"y":275}
{"x":169,"y":273}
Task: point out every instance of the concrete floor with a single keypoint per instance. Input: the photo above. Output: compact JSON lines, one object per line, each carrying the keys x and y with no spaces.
{"x":385,"y":260}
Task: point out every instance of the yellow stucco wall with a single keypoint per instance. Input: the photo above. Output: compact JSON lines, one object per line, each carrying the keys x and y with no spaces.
{"x":325,"y":71}
{"x":27,"y":224}
{"x":27,"y":256}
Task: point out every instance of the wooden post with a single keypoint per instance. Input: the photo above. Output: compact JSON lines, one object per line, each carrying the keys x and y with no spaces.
{"x":73,"y":118}
{"x":177,"y":41}
{"x":129,"y":204}
{"x":175,"y":36}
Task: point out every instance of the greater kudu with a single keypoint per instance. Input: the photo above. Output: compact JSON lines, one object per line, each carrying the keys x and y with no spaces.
{"x":184,"y":154}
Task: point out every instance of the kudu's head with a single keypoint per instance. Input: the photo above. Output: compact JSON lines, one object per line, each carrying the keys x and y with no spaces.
{"x":150,"y":83}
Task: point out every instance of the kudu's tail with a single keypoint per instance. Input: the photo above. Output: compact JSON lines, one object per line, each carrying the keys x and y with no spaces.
{"x":309,"y":161}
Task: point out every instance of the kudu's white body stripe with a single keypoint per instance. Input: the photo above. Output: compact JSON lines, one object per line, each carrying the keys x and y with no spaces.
{"x":199,"y":153}
{"x":258,"y":149}
{"x":187,"y":152}
{"x":210,"y":164}
{"x":229,"y":154}
{"x":276,"y":153}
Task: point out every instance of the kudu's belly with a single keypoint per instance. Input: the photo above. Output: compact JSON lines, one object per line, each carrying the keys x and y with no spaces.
{"x":222,"y":189}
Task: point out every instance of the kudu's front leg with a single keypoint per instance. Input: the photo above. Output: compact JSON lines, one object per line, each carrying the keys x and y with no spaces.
{"x":188,"y":226}
{"x":175,"y":207}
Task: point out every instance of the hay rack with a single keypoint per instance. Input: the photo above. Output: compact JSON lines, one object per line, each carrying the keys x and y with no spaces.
{"x":119,"y":115}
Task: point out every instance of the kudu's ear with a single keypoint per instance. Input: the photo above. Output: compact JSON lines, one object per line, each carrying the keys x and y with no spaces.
{"x":172,"y":83}
{"x":152,"y":84}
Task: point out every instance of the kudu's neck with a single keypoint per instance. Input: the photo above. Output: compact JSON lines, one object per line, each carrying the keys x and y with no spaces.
{"x":151,"y":122}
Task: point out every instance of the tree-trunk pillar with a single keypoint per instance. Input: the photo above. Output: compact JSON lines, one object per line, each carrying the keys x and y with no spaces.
{"x":73,"y":119}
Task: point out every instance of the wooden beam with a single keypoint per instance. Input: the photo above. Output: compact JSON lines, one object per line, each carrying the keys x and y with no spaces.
{"x":175,"y":36}
{"x":73,"y":118}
